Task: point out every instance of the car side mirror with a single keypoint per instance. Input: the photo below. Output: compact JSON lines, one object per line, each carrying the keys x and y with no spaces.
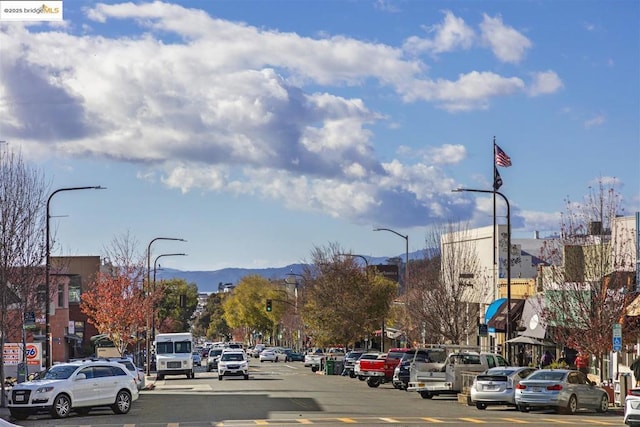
{"x":81,"y":376}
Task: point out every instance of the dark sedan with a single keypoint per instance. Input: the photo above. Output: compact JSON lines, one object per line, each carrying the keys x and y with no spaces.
{"x":293,"y":356}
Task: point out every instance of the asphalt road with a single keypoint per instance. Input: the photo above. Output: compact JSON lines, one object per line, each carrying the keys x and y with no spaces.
{"x":286,"y":394}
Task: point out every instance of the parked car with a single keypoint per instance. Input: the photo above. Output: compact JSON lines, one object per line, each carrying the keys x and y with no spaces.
{"x":212,"y":358}
{"x":75,"y":387}
{"x":255,"y":352}
{"x":497,"y":386}
{"x":272,"y":355}
{"x":433,"y":357}
{"x":632,"y":407}
{"x":233,"y":363}
{"x":138,"y":373}
{"x":349,"y":362}
{"x":566,"y":390}
{"x":366,"y":356}
{"x":292,"y":356}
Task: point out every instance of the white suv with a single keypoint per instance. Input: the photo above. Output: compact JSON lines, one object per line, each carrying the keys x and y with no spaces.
{"x":233,"y":362}
{"x":75,"y":386}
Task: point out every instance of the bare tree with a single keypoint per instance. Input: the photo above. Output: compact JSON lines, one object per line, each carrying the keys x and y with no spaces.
{"x":589,"y":275}
{"x":447,"y":287}
{"x":23,"y":196}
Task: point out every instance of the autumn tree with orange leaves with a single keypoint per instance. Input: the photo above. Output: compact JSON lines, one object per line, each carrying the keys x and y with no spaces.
{"x":118,"y":307}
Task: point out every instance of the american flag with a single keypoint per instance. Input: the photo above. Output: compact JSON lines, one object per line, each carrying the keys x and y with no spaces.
{"x":501,"y":157}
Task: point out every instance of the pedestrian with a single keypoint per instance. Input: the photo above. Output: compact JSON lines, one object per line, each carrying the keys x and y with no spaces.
{"x":635,"y":367}
{"x":521,"y":356}
{"x":582,"y":363}
{"x":546,"y":360}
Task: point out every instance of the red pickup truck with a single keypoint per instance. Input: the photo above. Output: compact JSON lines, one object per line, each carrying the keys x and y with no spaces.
{"x":379,"y":371}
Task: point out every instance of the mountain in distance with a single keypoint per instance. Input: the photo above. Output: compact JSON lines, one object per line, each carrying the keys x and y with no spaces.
{"x":209,"y":281}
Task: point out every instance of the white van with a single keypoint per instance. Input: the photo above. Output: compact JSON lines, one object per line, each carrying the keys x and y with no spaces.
{"x":173,"y":355}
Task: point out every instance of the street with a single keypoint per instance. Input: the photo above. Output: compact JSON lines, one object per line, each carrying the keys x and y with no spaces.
{"x":288,"y":394}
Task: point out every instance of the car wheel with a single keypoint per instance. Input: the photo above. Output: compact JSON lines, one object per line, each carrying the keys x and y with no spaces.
{"x":426,"y":395}
{"x":523,"y":408}
{"x":18,"y":415}
{"x":481,"y":405}
{"x":361,"y":378}
{"x":572,"y":406}
{"x":604,"y":404}
{"x":373,"y":382}
{"x":61,"y":406}
{"x":219,"y":377}
{"x":352,"y":374}
{"x":246,"y":376}
{"x":123,"y":402}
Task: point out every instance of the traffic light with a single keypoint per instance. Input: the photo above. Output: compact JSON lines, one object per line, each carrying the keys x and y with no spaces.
{"x":268,"y":305}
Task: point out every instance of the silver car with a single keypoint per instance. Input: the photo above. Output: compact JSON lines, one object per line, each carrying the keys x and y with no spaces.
{"x":565,"y":389}
{"x":497,"y":386}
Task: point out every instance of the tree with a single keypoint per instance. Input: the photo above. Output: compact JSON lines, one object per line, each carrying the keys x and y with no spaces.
{"x":22,"y":246}
{"x":447,"y":287}
{"x":589,"y":273}
{"x":244,"y":308}
{"x":116,"y":302}
{"x":117,"y":306}
{"x":176,"y":306}
{"x":210,"y":323}
{"x":342,"y":301}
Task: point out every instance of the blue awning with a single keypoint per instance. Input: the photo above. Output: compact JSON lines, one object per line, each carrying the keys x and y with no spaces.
{"x":492,"y":310}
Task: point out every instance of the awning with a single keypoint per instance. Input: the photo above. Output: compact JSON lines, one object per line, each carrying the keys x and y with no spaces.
{"x":532,"y":319}
{"x":525,"y":340}
{"x":492,"y":310}
{"x":499,"y":320}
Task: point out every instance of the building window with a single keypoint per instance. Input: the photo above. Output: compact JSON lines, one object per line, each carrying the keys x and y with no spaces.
{"x":75,"y":289}
{"x":60,"y":296}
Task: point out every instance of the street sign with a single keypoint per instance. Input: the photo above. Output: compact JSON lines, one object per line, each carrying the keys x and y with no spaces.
{"x":617,"y":337}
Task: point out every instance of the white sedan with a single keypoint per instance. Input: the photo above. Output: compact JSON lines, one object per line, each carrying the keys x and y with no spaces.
{"x":272,"y":355}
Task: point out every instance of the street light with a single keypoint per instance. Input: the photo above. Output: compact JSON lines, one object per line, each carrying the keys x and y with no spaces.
{"x":406,"y":269}
{"x":153,"y":310}
{"x":47,"y":269}
{"x":148,"y":346}
{"x":506,"y":201}
{"x":406,"y":255}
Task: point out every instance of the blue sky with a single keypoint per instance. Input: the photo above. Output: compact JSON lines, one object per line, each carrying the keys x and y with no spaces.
{"x":257,"y":130}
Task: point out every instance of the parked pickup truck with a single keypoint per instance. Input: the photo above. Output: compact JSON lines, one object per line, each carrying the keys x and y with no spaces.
{"x":449,"y":379}
{"x":313,"y":359}
{"x":379,"y":371}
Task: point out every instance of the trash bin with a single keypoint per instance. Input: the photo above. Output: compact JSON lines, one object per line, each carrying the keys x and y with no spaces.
{"x":329,"y":365}
{"x":338,"y":367}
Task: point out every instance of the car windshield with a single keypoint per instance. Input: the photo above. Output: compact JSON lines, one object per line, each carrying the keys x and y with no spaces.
{"x":546,"y":375}
{"x":215,"y":352}
{"x":235,"y":357}
{"x":61,"y":372}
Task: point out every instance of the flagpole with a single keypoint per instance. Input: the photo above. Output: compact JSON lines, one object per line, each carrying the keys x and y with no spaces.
{"x":495,"y":269}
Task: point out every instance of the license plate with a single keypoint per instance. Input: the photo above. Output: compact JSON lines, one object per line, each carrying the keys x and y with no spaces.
{"x":19,"y":398}
{"x":490,"y":387}
{"x":536,"y":388}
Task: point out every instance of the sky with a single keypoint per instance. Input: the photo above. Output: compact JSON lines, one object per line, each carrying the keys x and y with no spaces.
{"x":260,"y":130}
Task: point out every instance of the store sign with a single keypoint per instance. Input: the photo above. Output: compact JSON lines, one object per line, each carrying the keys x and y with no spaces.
{"x":12,"y":353}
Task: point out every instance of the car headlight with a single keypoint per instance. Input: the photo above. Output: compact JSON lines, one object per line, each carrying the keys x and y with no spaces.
{"x":47,"y":389}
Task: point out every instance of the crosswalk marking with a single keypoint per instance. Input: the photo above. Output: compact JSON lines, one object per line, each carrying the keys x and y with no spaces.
{"x":347,"y":420}
{"x":515,"y":420}
{"x":473,"y":420}
{"x":432,"y":420}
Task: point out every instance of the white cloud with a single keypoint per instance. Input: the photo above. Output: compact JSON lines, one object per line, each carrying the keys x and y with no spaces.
{"x":239,"y":118}
{"x":452,"y":34}
{"x":508,"y":44}
{"x":597,"y":120}
{"x":544,"y":83}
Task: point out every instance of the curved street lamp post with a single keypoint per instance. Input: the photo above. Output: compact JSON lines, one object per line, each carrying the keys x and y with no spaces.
{"x":148,"y":344}
{"x":506,"y":201}
{"x":47,"y":270}
{"x":153,"y":311}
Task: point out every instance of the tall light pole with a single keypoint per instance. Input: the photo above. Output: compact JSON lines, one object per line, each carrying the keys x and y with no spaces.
{"x":153,"y":310}
{"x":506,"y":201}
{"x":47,"y":270}
{"x":406,"y":269}
{"x":148,"y":345}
